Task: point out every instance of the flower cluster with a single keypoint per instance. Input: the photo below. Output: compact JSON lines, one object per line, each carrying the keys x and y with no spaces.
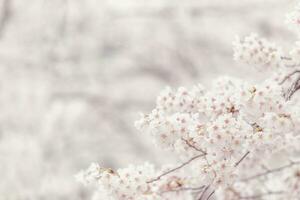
{"x":124,"y":184}
{"x":230,"y":138}
{"x":255,"y":50}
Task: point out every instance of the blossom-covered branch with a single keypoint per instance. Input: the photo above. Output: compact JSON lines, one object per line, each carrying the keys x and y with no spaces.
{"x":221,"y":134}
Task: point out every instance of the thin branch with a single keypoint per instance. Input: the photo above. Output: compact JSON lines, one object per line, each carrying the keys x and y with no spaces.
{"x":289,"y":61}
{"x":210,"y":195}
{"x":289,"y":76}
{"x":193,"y":146}
{"x":293,"y":89}
{"x":203,"y":193}
{"x":270,"y":171}
{"x":177,"y":168}
{"x":244,"y":156}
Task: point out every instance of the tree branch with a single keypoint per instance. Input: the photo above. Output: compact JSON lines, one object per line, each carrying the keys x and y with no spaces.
{"x":210,"y":195}
{"x":270,"y":171}
{"x":174,"y":169}
{"x":186,"y":189}
{"x":244,"y":156}
{"x":289,"y":76}
{"x":193,"y":146}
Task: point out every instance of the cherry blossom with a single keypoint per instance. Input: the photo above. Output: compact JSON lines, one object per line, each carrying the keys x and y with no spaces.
{"x":233,"y":139}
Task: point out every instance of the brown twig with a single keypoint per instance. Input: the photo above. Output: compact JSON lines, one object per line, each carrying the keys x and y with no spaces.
{"x":293,"y":89}
{"x":289,"y":76}
{"x":176,"y":168}
{"x":203,"y":193}
{"x":270,"y":171}
{"x":210,"y":195}
{"x":193,"y":146}
{"x":244,"y":156}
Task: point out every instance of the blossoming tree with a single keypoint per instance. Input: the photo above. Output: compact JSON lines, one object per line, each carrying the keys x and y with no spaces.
{"x":235,"y":140}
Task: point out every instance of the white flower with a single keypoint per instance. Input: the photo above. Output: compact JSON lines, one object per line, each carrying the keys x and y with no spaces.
{"x":92,"y":174}
{"x":254,"y":50}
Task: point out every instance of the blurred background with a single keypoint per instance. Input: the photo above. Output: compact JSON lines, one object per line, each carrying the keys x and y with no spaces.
{"x":74,"y":74}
